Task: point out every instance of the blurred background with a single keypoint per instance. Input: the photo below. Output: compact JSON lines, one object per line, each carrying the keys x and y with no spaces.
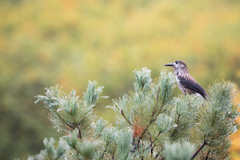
{"x":68,"y":42}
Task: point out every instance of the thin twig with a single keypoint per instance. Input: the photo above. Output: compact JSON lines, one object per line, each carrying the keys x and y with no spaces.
{"x":125,"y":117}
{"x":156,"y":104}
{"x":135,"y":146}
{"x":100,"y":133}
{"x":63,"y":121}
{"x":104,"y":151}
{"x":207,"y":154}
{"x":76,"y":125}
{"x":153,"y":119}
{"x":152,"y":142}
{"x":151,"y":151}
{"x":214,"y":118}
{"x":199,"y":149}
{"x":158,"y":93}
{"x":160,"y":108}
{"x":178,"y":119}
{"x":78,"y":152}
{"x":175,"y":130}
{"x":79,"y":132}
{"x":143,"y":84}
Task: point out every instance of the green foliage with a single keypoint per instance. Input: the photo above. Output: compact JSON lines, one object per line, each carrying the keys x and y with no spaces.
{"x":184,"y":112}
{"x":164,"y":123}
{"x":177,"y":151}
{"x":82,"y":149}
{"x":123,"y":142}
{"x":216,"y":120}
{"x":50,"y":153}
{"x":149,"y":99}
{"x":151,"y":124}
{"x":68,"y":111}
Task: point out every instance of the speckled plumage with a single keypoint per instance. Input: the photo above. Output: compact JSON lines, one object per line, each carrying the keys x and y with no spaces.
{"x":185,"y":82}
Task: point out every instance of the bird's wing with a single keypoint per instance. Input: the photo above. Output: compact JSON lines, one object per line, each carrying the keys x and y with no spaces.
{"x":192,"y":86}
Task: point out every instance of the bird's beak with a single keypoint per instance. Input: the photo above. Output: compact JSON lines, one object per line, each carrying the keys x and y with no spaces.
{"x":169,"y":64}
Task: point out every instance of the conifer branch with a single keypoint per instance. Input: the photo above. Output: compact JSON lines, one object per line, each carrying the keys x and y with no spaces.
{"x":157,"y":156}
{"x":199,"y":149}
{"x":104,"y":151}
{"x":157,"y":102}
{"x":214,"y":118}
{"x":76,"y":125}
{"x":153,"y":119}
{"x":134,"y":145}
{"x":62,"y":120}
{"x":207,"y":154}
{"x":76,"y":151}
{"x":158,"y":93}
{"x":125,"y":118}
{"x":79,"y":132}
{"x":178,"y":118}
{"x":152,"y":141}
{"x":159,"y":109}
{"x":175,"y":130}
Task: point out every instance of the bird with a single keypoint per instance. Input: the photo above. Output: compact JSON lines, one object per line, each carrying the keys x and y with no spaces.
{"x":185,"y":82}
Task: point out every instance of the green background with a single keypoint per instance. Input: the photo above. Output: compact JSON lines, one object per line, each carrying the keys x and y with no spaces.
{"x":68,"y":42}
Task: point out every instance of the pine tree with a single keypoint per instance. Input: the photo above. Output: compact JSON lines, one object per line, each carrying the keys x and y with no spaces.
{"x":150,"y":122}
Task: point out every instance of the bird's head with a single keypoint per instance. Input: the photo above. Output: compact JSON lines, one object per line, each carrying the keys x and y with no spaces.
{"x":178,"y":65}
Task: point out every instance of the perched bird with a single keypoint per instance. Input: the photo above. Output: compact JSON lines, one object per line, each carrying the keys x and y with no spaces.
{"x":186,"y":83}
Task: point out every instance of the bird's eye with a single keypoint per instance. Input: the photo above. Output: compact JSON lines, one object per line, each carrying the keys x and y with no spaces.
{"x":176,"y":62}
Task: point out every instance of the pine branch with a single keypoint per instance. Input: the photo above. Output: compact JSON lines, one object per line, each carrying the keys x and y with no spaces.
{"x":159,"y":109}
{"x":156,"y":156}
{"x":134,"y":145}
{"x":199,"y":149}
{"x":175,"y":130}
{"x":157,"y":103}
{"x":62,"y":120}
{"x":178,"y":119}
{"x":207,"y":154}
{"x":79,"y":132}
{"x":152,"y":141}
{"x":125,"y":118}
{"x":214,"y":118}
{"x":104,"y":151}
{"x":76,"y":125}
{"x":76,"y":151}
{"x":153,"y":119}
{"x":158,"y":93}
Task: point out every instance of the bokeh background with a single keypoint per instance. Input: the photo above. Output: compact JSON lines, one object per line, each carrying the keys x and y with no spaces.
{"x":68,"y":42}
